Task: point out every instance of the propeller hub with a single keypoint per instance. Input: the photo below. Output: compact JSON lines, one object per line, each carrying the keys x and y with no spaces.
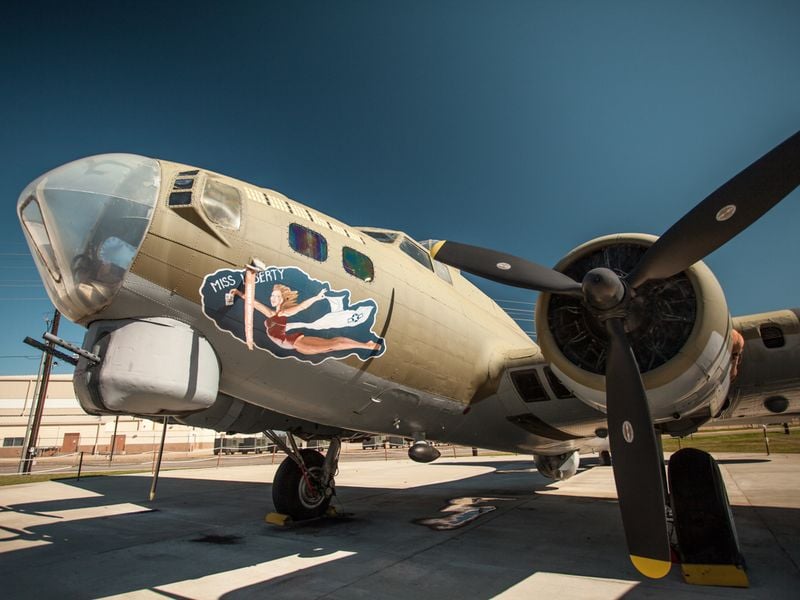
{"x":603,"y":289}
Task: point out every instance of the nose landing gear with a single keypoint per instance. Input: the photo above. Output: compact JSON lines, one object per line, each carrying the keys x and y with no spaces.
{"x":304,"y":483}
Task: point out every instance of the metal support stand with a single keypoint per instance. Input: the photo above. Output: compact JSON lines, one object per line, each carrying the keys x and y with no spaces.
{"x":158,"y":463}
{"x":114,"y":439}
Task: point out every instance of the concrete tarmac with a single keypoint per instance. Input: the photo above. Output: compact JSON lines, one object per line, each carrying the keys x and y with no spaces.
{"x":204,"y":535}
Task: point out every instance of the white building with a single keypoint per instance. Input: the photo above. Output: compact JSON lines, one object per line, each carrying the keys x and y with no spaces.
{"x":67,"y":428}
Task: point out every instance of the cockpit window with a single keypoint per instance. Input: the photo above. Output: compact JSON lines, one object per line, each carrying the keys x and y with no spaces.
{"x":387,"y":237}
{"x":221,"y":203}
{"x":34,"y":224}
{"x":417,"y":253}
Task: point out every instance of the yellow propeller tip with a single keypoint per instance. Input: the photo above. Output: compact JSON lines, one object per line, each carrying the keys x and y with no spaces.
{"x":651,"y":567}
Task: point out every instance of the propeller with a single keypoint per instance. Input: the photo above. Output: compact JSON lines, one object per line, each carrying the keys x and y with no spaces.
{"x":504,"y":268}
{"x":637,"y":461}
{"x":726,"y":212}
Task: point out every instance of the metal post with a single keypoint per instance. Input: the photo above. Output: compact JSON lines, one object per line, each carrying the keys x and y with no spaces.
{"x":113,"y":439}
{"x":28,"y":453}
{"x":80,"y":466}
{"x":766,"y":439}
{"x":158,"y":464}
{"x":786,"y":428}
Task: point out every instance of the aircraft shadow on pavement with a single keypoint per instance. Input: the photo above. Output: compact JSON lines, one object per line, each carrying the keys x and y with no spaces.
{"x":198,"y":527}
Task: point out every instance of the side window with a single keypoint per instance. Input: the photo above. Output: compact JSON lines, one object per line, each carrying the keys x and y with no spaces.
{"x":417,"y":253}
{"x":387,"y":237}
{"x":772,"y":336}
{"x":357,"y":264}
{"x":308,"y":243}
{"x":221,"y":203}
{"x":32,"y":218}
{"x":182,"y":188}
{"x":559,"y":389}
{"x":528,"y":386}
{"x":442,"y":271}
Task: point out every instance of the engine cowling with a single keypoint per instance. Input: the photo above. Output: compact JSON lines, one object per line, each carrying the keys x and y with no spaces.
{"x":558,"y":467}
{"x":679,"y":329}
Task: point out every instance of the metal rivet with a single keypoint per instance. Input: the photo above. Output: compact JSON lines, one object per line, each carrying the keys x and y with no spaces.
{"x":503,"y":266}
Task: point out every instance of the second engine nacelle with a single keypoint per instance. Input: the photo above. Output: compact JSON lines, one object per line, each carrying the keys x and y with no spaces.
{"x":558,"y":467}
{"x":679,"y":329}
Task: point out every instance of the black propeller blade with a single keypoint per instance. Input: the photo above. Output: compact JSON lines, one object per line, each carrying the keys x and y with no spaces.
{"x":504,"y":268}
{"x":732,"y":208}
{"x":637,"y":462}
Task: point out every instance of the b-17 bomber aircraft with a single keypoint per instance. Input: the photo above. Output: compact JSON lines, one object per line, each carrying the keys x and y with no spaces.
{"x":225,"y":305}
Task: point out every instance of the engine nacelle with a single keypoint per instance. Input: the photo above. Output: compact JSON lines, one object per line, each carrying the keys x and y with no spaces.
{"x":679,"y":329}
{"x":558,"y":467}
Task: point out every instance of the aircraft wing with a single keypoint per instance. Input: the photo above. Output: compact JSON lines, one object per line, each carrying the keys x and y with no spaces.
{"x":767,"y":387}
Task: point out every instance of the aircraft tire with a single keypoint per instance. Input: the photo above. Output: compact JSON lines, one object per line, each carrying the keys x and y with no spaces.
{"x":291,"y":494}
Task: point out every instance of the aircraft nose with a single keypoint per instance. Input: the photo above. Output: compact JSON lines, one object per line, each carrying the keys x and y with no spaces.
{"x":84,"y":222}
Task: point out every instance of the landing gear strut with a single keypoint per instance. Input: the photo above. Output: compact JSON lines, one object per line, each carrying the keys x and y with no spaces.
{"x":304,"y":483}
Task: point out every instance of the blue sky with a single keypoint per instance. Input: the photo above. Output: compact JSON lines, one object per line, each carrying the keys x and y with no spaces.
{"x":529,"y":127}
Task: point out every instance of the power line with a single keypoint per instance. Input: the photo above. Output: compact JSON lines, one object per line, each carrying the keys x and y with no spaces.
{"x":518,"y":302}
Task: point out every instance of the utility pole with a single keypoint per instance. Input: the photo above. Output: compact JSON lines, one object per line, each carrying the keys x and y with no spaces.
{"x":31,"y":411}
{"x":33,"y":438}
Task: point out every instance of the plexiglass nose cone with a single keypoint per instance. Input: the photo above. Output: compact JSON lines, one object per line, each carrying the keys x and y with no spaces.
{"x":84,"y":222}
